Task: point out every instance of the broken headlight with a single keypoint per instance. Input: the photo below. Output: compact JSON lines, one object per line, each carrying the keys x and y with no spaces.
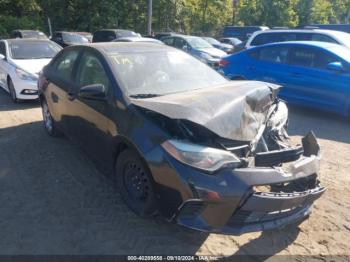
{"x":201,"y":157}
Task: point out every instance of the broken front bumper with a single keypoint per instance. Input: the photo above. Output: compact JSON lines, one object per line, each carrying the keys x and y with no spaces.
{"x":231,"y":202}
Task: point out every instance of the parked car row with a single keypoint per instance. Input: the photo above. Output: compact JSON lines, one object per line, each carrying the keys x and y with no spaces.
{"x":178,"y":138}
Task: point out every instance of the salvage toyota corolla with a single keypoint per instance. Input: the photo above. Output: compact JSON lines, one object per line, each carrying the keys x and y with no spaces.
{"x":180,"y":139}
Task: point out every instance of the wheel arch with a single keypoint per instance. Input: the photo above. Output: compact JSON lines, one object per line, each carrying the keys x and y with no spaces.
{"x":121,"y":143}
{"x":8,"y":78}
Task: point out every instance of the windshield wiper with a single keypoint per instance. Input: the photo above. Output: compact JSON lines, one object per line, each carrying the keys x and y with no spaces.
{"x":144,"y":95}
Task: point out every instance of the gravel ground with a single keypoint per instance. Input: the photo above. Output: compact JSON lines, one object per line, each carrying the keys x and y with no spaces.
{"x":54,"y":201}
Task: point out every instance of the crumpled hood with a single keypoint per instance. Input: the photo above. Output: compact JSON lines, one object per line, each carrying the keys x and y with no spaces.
{"x":236,"y":110}
{"x":214,"y":52}
{"x":32,"y":66}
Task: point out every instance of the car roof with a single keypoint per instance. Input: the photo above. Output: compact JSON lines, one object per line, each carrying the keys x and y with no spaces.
{"x":137,"y":39}
{"x":300,"y":31}
{"x":115,"y":30}
{"x":16,"y":40}
{"x":67,"y":32}
{"x":183,"y":36}
{"x":131,"y":47}
{"x":325,"y":45}
{"x":25,"y":30}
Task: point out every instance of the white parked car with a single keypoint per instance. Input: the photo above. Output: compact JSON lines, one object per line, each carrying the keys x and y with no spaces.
{"x":21,"y":60}
{"x":274,"y":36}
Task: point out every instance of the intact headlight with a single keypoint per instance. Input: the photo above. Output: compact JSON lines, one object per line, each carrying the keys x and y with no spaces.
{"x":25,"y":75}
{"x":205,"y":158}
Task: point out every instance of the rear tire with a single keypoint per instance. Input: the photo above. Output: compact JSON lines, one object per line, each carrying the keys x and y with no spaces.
{"x":49,"y":122}
{"x":12,"y":91}
{"x":135,"y":184}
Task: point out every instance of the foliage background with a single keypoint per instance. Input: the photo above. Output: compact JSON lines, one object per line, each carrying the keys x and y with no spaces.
{"x":187,"y":16}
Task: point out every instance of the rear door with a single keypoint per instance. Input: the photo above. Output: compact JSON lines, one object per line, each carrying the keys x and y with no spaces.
{"x":59,"y":77}
{"x":269,"y":64}
{"x":88,"y":124}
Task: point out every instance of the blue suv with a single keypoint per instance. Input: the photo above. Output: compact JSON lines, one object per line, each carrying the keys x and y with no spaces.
{"x":313,"y":74}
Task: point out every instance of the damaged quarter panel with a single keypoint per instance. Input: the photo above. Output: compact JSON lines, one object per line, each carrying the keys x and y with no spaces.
{"x":207,"y":153}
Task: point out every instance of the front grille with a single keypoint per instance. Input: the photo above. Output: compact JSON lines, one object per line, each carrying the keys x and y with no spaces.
{"x":250,"y":217}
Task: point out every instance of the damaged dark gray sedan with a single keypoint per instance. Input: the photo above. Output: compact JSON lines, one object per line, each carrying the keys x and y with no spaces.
{"x":179,"y":139}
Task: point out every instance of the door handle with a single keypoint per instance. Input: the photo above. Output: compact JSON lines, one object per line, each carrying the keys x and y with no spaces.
{"x":253,"y":68}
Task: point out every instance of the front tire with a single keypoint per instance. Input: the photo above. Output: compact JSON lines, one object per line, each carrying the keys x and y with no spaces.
{"x":49,"y":122}
{"x":135,"y":183}
{"x":12,"y":91}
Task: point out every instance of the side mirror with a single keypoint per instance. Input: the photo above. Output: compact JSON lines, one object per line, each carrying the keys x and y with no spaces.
{"x":2,"y":57}
{"x":335,"y":66}
{"x":93,"y":92}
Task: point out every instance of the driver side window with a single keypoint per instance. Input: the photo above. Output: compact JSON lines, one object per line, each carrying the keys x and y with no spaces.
{"x":91,"y":71}
{"x":179,"y":43}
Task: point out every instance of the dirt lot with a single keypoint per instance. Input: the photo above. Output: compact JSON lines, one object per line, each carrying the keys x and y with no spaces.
{"x":54,"y":201}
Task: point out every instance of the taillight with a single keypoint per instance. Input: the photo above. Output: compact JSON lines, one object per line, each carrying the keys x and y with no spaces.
{"x":223,"y":62}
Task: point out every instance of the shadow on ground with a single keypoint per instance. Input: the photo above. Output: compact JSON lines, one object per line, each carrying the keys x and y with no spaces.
{"x":325,"y":125}
{"x":54,"y":201}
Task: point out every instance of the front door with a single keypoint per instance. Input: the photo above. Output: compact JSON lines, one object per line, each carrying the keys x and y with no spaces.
{"x":88,"y":124}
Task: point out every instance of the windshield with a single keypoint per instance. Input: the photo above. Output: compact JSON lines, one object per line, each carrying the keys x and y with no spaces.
{"x":212,"y":41}
{"x":74,"y":38}
{"x":162,"y":72}
{"x":198,"y":43}
{"x":33,"y":50}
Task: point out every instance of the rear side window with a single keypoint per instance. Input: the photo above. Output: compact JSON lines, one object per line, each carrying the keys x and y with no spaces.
{"x":179,"y":43}
{"x":277,"y":55}
{"x":305,"y":57}
{"x":323,"y":38}
{"x":263,"y":39}
{"x":104,"y":36}
{"x":169,"y":41}
{"x":266,"y":38}
{"x":64,"y":64}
